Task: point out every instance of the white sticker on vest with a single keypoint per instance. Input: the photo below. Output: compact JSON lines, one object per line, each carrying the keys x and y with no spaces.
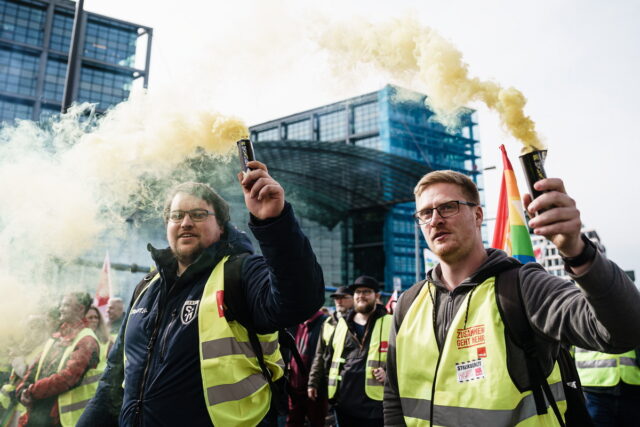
{"x":469,"y":371}
{"x":189,"y":311}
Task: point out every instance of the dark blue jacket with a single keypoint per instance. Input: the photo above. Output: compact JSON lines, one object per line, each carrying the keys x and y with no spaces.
{"x":164,"y":386}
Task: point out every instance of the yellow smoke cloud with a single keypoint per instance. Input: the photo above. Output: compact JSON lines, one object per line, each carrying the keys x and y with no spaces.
{"x":67,"y":186}
{"x":417,"y":55}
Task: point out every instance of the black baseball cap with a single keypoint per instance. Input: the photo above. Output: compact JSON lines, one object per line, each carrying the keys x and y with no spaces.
{"x":342,"y":291}
{"x":365,"y":282}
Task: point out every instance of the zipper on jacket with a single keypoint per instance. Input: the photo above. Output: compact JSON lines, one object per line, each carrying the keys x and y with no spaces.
{"x":163,"y":341}
{"x":150,"y":345}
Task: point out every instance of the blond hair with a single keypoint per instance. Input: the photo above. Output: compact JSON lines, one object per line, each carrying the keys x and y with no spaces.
{"x":468,"y":187}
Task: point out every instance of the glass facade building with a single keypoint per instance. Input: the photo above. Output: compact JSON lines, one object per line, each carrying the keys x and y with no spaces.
{"x":35,"y":37}
{"x":382,"y":241}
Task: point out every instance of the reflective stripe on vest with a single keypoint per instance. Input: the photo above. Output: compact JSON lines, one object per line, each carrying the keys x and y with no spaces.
{"x":376,"y":356}
{"x":472,"y":382}
{"x":71,"y":403}
{"x":235,"y":390}
{"x":337,"y":360}
{"x":606,"y":370}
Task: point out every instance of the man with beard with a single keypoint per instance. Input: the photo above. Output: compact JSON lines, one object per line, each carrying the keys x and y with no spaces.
{"x":200,"y":342}
{"x":358,"y":357}
{"x":453,"y":356}
{"x":319,"y":373}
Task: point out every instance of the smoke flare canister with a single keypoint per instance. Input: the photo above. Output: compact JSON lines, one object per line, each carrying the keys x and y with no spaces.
{"x":245,"y":152}
{"x":533,"y":166}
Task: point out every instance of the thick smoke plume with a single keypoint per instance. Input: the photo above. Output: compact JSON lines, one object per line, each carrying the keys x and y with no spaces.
{"x":74,"y":181}
{"x":419,"y":57}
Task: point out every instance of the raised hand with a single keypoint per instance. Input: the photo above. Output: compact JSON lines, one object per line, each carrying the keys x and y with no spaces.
{"x":263,"y":195}
{"x":560,"y":221}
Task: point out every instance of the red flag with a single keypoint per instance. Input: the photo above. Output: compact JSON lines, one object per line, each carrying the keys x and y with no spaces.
{"x":502,"y":217}
{"x":103,"y":293}
{"x":391,"y":304}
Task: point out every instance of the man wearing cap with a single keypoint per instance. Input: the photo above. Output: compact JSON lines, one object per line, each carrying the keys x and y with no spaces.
{"x":317,"y":389}
{"x":358,"y":355}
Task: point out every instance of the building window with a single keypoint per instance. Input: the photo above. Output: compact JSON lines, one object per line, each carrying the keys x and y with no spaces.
{"x":21,"y":22}
{"x":299,"y":130}
{"x":54,"y":80}
{"x":61,"y":30}
{"x":112,"y":43}
{"x":18,"y":72}
{"x":103,"y":87}
{"x":333,"y":125}
{"x":14,"y":110}
{"x":365,"y":118}
{"x":371,"y":142}
{"x":268,"y":135}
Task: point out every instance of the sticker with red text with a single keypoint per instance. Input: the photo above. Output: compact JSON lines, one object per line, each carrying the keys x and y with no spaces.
{"x":470,"y":337}
{"x":469,"y":371}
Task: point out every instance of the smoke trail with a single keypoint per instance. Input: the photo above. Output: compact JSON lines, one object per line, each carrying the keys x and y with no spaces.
{"x":72,"y":183}
{"x":417,"y":55}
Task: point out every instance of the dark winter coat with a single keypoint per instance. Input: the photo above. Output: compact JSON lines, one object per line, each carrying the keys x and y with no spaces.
{"x":163,"y":382}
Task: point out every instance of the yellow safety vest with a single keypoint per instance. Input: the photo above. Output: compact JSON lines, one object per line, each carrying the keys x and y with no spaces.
{"x":5,"y":395}
{"x":607,"y":370}
{"x":327,"y":330}
{"x":71,"y":403}
{"x":376,"y":356}
{"x":472,"y":381}
{"x":235,"y":390}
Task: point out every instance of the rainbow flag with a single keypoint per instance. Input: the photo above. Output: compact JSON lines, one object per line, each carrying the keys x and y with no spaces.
{"x":511,"y":233}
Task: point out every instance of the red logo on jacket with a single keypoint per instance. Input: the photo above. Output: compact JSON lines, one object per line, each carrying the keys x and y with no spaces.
{"x":220,"y":301}
{"x":384,"y":346}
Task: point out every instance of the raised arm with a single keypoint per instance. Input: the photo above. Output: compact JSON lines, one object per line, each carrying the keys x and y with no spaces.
{"x":603,"y":313}
{"x":285,"y":286}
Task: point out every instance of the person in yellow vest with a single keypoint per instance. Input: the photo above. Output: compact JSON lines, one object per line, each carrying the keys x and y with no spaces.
{"x":188,"y":352}
{"x":59,"y":385}
{"x":96,"y":323}
{"x":450,"y":362}
{"x":319,"y":372}
{"x":358,"y":355}
{"x":611,"y":384}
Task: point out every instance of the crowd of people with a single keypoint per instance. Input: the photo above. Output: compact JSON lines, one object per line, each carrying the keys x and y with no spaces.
{"x":51,"y":375}
{"x":219,"y":335}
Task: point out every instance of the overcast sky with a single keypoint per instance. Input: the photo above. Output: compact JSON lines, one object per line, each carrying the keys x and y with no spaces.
{"x":577,"y":62}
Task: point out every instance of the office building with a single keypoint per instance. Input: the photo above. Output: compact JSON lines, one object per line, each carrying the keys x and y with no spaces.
{"x":354,"y":164}
{"x":35,"y":37}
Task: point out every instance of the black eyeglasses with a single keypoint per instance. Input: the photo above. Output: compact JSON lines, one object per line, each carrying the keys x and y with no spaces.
{"x":445,"y":210}
{"x":196,"y":215}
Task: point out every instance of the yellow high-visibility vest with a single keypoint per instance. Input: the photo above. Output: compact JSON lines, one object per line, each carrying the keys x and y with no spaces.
{"x":71,"y":403}
{"x":236,"y":392}
{"x":376,"y":356}
{"x":606,"y":370}
{"x":472,"y":381}
{"x":327,"y":330}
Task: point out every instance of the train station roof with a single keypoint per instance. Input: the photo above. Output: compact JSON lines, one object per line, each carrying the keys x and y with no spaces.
{"x":333,"y":178}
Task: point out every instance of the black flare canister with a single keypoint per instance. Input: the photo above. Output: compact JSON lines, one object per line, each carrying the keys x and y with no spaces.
{"x":533,"y":166}
{"x":245,"y":152}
